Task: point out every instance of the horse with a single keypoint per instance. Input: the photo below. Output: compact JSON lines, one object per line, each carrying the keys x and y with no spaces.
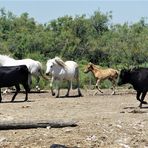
{"x":101,"y":74}
{"x":34,"y":67}
{"x":60,"y":70}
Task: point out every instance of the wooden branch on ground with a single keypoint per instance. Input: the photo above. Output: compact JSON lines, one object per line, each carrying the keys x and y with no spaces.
{"x":35,"y":124}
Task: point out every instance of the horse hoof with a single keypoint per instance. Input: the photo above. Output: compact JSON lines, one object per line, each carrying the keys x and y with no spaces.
{"x":53,"y":94}
{"x":144,"y":102}
{"x":113,"y":93}
{"x":140,"y":106}
{"x":94,"y":94}
{"x":80,"y":95}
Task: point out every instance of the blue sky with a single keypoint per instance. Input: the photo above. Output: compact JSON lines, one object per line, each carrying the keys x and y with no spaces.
{"x":44,"y":11}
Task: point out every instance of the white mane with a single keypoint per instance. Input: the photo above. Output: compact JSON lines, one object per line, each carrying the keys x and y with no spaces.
{"x":60,"y":62}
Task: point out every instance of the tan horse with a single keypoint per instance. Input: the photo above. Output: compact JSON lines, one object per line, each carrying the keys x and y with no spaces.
{"x":102,"y":74}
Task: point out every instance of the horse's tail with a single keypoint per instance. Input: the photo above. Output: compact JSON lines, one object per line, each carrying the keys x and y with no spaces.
{"x":41,"y":73}
{"x":77,"y":72}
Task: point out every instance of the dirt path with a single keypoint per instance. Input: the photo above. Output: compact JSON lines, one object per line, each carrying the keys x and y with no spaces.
{"x":103,"y":121}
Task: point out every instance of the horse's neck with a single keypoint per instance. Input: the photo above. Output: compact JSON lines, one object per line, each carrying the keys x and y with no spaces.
{"x":59,"y":71}
{"x":95,"y":70}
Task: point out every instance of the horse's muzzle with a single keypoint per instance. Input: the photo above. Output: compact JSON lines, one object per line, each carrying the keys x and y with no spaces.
{"x":48,"y":74}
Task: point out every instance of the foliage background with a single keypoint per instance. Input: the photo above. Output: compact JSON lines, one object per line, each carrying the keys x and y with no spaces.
{"x":78,"y":38}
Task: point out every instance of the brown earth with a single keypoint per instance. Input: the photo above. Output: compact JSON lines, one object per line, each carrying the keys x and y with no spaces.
{"x":104,"y":120}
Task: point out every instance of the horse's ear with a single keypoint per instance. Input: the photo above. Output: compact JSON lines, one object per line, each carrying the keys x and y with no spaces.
{"x":90,"y":63}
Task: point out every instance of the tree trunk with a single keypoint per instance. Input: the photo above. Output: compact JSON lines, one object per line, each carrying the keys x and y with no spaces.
{"x":35,"y":124}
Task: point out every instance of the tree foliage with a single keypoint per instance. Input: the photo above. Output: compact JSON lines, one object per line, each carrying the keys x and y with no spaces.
{"x":77,"y":38}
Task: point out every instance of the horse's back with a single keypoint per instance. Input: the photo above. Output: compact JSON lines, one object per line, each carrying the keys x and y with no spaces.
{"x":33,"y":65}
{"x":114,"y":72}
{"x":71,"y":64}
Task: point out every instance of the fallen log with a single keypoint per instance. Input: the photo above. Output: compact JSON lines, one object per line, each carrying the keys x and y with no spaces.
{"x":7,"y":125}
{"x":31,"y":91}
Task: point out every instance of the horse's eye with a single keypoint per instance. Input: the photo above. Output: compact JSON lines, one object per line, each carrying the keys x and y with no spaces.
{"x":51,"y":66}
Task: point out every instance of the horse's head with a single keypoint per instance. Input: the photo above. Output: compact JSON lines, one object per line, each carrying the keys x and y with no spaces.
{"x":89,"y":67}
{"x":49,"y":66}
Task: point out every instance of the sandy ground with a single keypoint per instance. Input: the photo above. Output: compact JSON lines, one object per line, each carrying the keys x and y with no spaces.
{"x":104,"y":120}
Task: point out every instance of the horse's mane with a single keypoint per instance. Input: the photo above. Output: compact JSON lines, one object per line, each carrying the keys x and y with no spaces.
{"x":60,"y":62}
{"x":95,"y":66}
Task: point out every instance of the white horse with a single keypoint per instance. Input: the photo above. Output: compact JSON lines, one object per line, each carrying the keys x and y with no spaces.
{"x":61,"y":70}
{"x":34,"y":67}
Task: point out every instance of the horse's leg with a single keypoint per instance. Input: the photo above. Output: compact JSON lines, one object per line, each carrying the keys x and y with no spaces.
{"x":37,"y":83}
{"x":78,"y":82}
{"x":138,"y":95}
{"x":27,"y":89}
{"x":79,"y":91}
{"x":58,"y":94}
{"x":29,"y":81}
{"x":69,"y":86}
{"x":97,"y":87}
{"x":17,"y":90}
{"x":51,"y":86}
{"x":114,"y":85}
{"x":0,"y":96}
{"x":142,"y":99}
